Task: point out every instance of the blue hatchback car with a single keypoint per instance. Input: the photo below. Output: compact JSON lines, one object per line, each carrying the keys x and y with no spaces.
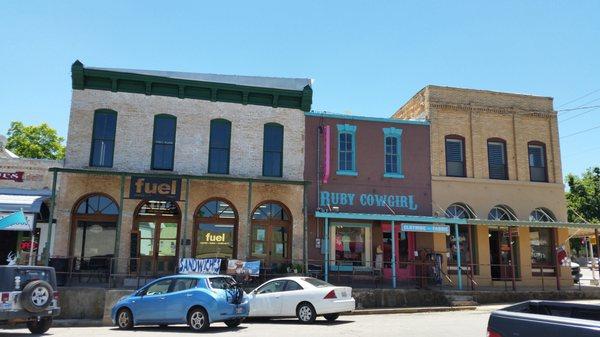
{"x":196,"y":300}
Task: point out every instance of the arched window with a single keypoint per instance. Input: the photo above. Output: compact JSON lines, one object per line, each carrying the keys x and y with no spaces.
{"x":103,"y":138}
{"x":216,"y":230}
{"x":497,"y":162}
{"x":271,"y":230}
{"x":501,"y":212}
{"x":273,"y":150}
{"x":459,"y":211}
{"x":542,"y":215}
{"x":155,"y":235}
{"x":94,"y":227}
{"x":218,"y":155}
{"x":467,"y":239}
{"x":163,"y":142}
{"x":542,"y":242}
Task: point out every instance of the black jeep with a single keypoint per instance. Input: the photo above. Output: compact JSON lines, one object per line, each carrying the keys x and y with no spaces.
{"x":29,"y":295}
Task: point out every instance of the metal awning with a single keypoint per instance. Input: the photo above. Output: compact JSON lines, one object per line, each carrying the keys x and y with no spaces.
{"x":16,"y":199}
{"x":389,"y":217}
{"x":519,"y":223}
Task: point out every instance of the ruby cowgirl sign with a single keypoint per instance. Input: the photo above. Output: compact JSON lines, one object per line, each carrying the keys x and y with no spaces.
{"x":14,"y":176}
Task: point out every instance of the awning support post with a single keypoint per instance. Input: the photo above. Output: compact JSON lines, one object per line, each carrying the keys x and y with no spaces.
{"x":556,"y":261}
{"x":50,"y":218}
{"x":394,"y":238}
{"x":119,"y":224}
{"x":597,"y":251}
{"x":458,"y":262}
{"x":186,"y":208}
{"x":512,"y":259}
{"x":305,"y":232}
{"x":326,"y":266}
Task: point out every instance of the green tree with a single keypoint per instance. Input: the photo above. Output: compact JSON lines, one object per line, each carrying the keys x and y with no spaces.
{"x":35,"y":141}
{"x":583,"y":197}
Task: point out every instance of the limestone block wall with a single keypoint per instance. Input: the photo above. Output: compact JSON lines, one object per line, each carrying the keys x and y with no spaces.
{"x":135,"y":120}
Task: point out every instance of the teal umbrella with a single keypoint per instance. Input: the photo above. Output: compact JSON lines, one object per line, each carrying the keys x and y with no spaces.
{"x":15,"y":222}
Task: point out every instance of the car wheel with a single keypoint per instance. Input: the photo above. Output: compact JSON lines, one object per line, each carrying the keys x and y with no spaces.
{"x":198,"y":319}
{"x":41,"y":326}
{"x":232,"y":323}
{"x":125,"y":319}
{"x":331,"y":317}
{"x":306,"y":312}
{"x":36,"y":296}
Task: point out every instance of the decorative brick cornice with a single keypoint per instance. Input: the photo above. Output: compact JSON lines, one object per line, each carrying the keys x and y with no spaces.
{"x":487,"y":109}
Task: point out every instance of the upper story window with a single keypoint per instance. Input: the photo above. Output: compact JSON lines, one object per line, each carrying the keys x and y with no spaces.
{"x":273,"y":150}
{"x":103,"y":138}
{"x":455,"y":156}
{"x":393,"y":153}
{"x":497,"y":162}
{"x":163,"y":143}
{"x":537,"y":162}
{"x":347,"y":150}
{"x":218,"y":155}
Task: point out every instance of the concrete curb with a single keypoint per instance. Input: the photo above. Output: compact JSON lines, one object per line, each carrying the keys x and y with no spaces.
{"x":80,"y":323}
{"x":415,"y":310}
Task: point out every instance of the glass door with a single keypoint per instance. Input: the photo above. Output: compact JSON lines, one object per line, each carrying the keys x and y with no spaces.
{"x":166,"y":257}
{"x":279,"y":244}
{"x":146,"y":249}
{"x":405,"y":243}
{"x":503,"y":248}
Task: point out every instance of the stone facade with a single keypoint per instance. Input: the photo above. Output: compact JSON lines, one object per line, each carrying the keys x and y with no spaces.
{"x":244,"y":188}
{"x":135,"y":126}
{"x":478,"y":115}
{"x":35,"y":172}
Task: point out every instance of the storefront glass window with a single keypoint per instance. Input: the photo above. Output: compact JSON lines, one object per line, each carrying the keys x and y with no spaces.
{"x":95,"y":239}
{"x":350,"y":246}
{"x":215,"y":230}
{"x":464,"y":244}
{"x":541,"y":246}
{"x":214,"y":240}
{"x":259,"y":234}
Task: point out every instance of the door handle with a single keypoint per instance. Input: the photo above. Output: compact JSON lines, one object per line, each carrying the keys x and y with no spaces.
{"x":188,"y":295}
{"x":162,"y":298}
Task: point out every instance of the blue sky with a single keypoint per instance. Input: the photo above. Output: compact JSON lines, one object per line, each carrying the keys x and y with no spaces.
{"x":366,"y":57}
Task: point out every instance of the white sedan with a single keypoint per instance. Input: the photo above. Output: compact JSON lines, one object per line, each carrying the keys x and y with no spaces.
{"x":303,"y":297}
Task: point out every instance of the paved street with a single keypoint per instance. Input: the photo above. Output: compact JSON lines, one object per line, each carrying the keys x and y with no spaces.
{"x":459,"y":323}
{"x":465,"y":324}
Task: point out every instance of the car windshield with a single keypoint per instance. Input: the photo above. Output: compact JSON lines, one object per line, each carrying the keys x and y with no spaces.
{"x":316,"y":282}
{"x":221,"y":282}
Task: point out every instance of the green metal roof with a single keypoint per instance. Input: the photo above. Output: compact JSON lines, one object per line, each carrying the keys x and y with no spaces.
{"x":519,"y":223}
{"x":389,"y":217}
{"x":276,"y":92}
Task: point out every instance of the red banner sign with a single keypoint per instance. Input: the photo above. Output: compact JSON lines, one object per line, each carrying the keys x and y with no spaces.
{"x":26,"y":245}
{"x":14,"y":176}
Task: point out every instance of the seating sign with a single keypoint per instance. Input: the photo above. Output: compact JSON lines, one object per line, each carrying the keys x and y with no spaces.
{"x":239,"y":267}
{"x":199,"y":266}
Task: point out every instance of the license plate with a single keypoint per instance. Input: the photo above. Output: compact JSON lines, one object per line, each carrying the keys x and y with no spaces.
{"x":239,"y":310}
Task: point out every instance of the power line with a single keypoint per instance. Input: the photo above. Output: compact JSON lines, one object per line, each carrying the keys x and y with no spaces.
{"x":578,"y":98}
{"x":581,"y":108}
{"x":580,"y":132}
{"x":580,"y":114}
